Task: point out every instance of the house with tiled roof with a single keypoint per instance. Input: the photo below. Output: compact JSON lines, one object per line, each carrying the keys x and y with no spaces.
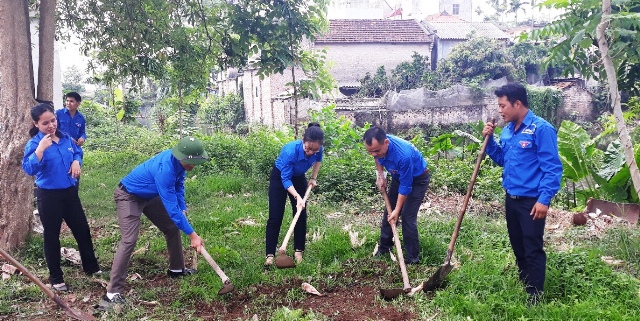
{"x":356,"y":47}
{"x":448,"y":34}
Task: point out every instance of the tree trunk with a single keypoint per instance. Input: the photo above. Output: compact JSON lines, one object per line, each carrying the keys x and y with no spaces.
{"x":612,"y":79}
{"x":46,"y":36}
{"x":16,"y":98}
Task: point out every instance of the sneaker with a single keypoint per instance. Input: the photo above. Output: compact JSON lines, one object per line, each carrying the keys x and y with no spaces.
{"x":411,"y":261}
{"x":182,"y":273}
{"x":107,"y":304}
{"x":298,"y":256}
{"x":269,"y":261}
{"x":60,"y":287}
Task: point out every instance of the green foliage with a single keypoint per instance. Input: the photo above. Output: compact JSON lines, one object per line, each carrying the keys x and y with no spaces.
{"x":408,"y":75}
{"x":544,"y":102}
{"x":74,"y":80}
{"x":576,"y":47}
{"x":375,"y":86}
{"x":285,"y":314}
{"x":316,"y":70}
{"x":473,"y":62}
{"x":347,"y":170}
{"x":222,"y":113}
{"x":601,"y":174}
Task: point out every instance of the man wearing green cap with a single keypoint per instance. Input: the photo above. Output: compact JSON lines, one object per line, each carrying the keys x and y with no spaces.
{"x":156,"y":189}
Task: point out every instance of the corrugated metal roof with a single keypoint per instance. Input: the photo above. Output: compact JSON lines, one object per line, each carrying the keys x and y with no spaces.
{"x":375,"y":31}
{"x":462,"y":30}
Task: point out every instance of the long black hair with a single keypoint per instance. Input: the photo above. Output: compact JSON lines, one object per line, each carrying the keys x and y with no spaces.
{"x":36,"y":112}
{"x":313,"y":133}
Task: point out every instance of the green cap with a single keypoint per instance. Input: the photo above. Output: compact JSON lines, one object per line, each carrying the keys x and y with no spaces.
{"x":190,"y":151}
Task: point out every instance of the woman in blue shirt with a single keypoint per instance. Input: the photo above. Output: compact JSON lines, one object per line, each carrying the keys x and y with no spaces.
{"x":54,"y":160}
{"x":287,"y":179}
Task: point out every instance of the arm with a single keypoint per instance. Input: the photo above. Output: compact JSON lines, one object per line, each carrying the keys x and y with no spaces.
{"x":551,"y":168}
{"x":166,"y":182}
{"x":33,"y":155}
{"x":381,"y":177}
{"x":314,"y":175}
{"x":493,"y":149}
{"x":406,"y":182}
{"x":82,"y":132}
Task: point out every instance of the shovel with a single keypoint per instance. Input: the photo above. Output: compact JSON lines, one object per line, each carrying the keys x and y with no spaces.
{"x":76,"y":314}
{"x":390,"y":294}
{"x":227,"y":286}
{"x":283,"y":261}
{"x":435,"y":281}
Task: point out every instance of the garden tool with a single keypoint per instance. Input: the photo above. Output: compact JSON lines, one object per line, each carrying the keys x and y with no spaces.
{"x":282,"y":260}
{"x":74,"y":313}
{"x":389,"y":294}
{"x":435,"y":281}
{"x":227,"y":286}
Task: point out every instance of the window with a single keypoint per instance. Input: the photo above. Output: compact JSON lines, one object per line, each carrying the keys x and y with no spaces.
{"x":456,"y":9}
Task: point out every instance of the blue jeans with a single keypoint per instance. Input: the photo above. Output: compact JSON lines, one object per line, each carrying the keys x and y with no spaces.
{"x":526,"y":237}
{"x":409,"y":216}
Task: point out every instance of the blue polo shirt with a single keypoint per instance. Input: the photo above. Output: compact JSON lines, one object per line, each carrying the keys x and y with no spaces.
{"x":74,"y":126}
{"x":293,"y":162}
{"x":532,"y":166}
{"x":162,"y":175}
{"x":404,"y":162}
{"x":52,"y":171}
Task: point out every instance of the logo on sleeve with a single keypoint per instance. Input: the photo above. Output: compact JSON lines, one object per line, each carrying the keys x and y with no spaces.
{"x":525,"y":144}
{"x":70,"y":149}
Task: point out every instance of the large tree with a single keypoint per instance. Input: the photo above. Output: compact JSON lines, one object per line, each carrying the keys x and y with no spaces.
{"x":16,"y":97}
{"x":601,"y":42}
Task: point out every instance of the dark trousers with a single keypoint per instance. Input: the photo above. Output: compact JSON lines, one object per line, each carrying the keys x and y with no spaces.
{"x":277,"y":203}
{"x":526,"y":237}
{"x":54,"y":206}
{"x":409,"y":215}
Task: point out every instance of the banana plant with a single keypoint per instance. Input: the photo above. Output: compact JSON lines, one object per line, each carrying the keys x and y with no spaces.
{"x":597,"y":173}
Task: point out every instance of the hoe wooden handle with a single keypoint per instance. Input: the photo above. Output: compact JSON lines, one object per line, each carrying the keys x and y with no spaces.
{"x":214,"y":265}
{"x":396,"y":241}
{"x":283,"y":247}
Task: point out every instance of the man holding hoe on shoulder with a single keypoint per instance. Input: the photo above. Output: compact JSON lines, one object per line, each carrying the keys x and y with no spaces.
{"x":409,"y":182}
{"x":528,"y":151}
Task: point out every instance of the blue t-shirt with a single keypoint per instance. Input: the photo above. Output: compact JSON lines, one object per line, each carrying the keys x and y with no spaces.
{"x":293,"y":162}
{"x":532,"y":166}
{"x":52,"y":171}
{"x":162,"y":175}
{"x":74,"y":126}
{"x":404,"y":162}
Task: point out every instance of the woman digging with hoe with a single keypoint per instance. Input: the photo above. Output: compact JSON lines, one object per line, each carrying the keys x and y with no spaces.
{"x":287,"y":179}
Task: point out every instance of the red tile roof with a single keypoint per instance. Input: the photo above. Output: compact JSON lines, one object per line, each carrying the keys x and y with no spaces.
{"x":375,"y":31}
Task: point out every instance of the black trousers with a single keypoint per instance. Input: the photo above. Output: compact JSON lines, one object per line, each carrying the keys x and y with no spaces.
{"x":54,"y":206}
{"x":277,"y":203}
{"x":409,"y":215}
{"x":526,"y":237}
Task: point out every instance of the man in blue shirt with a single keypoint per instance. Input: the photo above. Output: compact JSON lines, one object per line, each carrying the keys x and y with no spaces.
{"x":528,"y":151}
{"x":156,"y":189}
{"x":409,"y":182}
{"x":71,"y":121}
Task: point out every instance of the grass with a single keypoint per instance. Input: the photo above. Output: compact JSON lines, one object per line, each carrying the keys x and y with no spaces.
{"x":485,"y":286}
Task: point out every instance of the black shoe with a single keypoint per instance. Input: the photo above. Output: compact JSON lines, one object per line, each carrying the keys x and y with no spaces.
{"x":182,"y":273}
{"x":107,"y":304}
{"x":411,"y":262}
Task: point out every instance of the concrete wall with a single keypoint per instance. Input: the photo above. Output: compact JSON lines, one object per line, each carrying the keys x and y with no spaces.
{"x":352,"y":61}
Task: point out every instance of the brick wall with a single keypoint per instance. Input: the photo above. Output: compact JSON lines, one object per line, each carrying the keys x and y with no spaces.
{"x":576,"y":104}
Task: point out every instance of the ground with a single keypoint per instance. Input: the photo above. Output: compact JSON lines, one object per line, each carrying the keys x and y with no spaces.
{"x":355,"y":297}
